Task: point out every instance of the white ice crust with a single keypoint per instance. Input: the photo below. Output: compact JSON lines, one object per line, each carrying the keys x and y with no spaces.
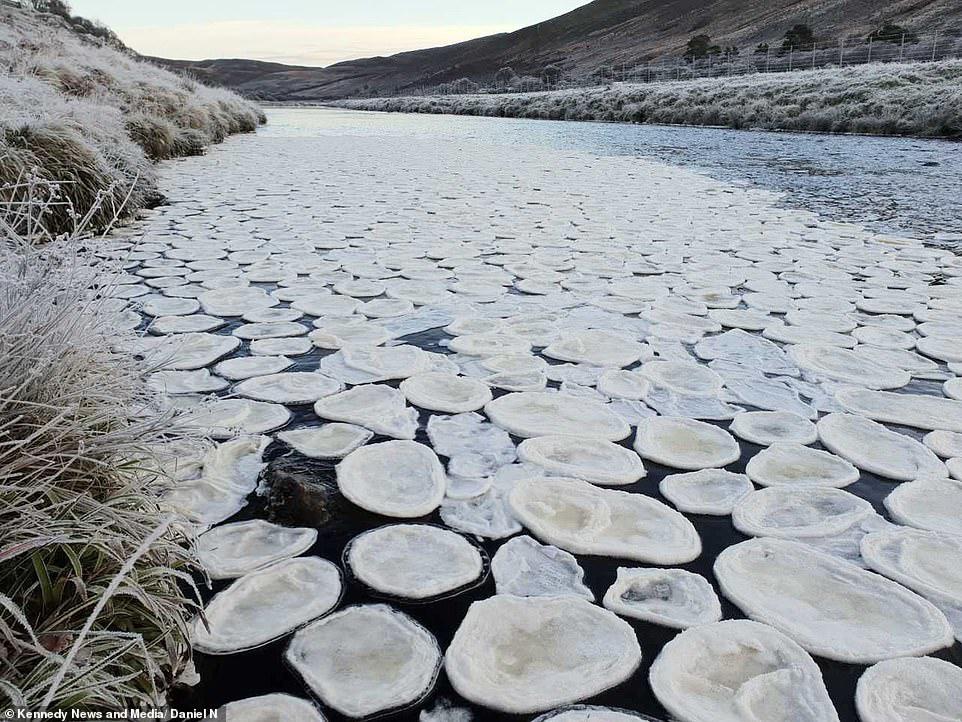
{"x":524,"y":568}
{"x":911,"y":689}
{"x":265,"y":605}
{"x":709,"y":491}
{"x":233,"y":550}
{"x":785,"y":464}
{"x":584,"y":457}
{"x":669,"y":597}
{"x":739,"y":671}
{"x":523,"y":655}
{"x":394,"y":478}
{"x":533,"y":413}
{"x":685,"y":443}
{"x":584,"y":519}
{"x":831,"y":607}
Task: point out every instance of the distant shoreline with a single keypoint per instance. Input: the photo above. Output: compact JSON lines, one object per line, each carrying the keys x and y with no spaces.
{"x":909,"y":100}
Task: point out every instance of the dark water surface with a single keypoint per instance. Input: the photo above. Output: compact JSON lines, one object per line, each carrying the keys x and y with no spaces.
{"x":904,"y":186}
{"x":890,"y":183}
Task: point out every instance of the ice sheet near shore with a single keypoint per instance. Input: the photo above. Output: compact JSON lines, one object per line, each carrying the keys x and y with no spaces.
{"x":502,"y":347}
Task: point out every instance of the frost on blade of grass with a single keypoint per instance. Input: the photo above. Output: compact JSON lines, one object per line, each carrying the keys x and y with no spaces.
{"x":82,"y":113}
{"x":93,"y":614}
{"x":863,"y":99}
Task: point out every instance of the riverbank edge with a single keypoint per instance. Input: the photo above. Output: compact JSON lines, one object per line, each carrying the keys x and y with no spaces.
{"x":915,"y":100}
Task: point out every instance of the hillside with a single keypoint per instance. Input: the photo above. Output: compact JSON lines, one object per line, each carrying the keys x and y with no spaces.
{"x":601,"y":32}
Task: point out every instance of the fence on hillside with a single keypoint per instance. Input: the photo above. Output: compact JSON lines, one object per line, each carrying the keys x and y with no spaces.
{"x":904,"y":48}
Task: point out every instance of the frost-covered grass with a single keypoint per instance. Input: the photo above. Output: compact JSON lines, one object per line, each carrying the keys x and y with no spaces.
{"x":80,"y":113}
{"x":91,"y":612}
{"x":890,"y":99}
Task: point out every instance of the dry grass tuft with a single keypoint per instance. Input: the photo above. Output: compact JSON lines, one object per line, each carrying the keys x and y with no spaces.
{"x":93,"y":613}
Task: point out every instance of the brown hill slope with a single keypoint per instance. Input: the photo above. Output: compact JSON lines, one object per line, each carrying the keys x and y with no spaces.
{"x":601,"y":32}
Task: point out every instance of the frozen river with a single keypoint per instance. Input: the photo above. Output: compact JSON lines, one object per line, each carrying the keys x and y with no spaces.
{"x":547,"y":330}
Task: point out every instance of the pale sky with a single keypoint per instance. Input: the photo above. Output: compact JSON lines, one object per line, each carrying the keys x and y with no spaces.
{"x":308,"y":32}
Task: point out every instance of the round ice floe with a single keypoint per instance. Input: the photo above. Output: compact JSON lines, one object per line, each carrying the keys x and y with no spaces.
{"x":269,"y":329}
{"x":669,"y":597}
{"x":164,"y":306}
{"x":232,"y":550}
{"x":524,"y":568}
{"x":592,"y":713}
{"x":532,"y":413}
{"x":225,"y":418}
{"x":790,"y":512}
{"x":873,"y":448}
{"x":916,"y":410}
{"x":839,"y":364}
{"x":195,"y":323}
{"x":683,"y":377}
{"x":326,"y":304}
{"x":297,"y":387}
{"x":330,"y":441}
{"x":739,"y":671}
{"x":911,"y":689}
{"x":271,"y":708}
{"x":898,"y":358}
{"x":331,"y":335}
{"x":786,"y":464}
{"x":414,"y":561}
{"x":190,"y":351}
{"x":280,"y":346}
{"x":926,"y":562}
{"x":584,"y":519}
{"x":445,"y":392}
{"x":377,"y":407}
{"x":271,"y":315}
{"x":685,"y":443}
{"x":932,"y":504}
{"x":486,"y":515}
{"x":831,"y":607}
{"x":186,"y":382}
{"x":373,"y":363}
{"x":946,"y":444}
{"x":943,"y":348}
{"x":235,"y":301}
{"x":489,"y":344}
{"x":807,"y":335}
{"x":770,"y":427}
{"x":883,"y":337}
{"x":620,"y":384}
{"x":395,"y":478}
{"x":584,"y":457}
{"x":366,"y":659}
{"x":265,"y":605}
{"x":522,"y":655}
{"x":953,"y":388}
{"x":709,"y":491}
{"x":741,"y":318}
{"x":247,"y":367}
{"x":596,"y":348}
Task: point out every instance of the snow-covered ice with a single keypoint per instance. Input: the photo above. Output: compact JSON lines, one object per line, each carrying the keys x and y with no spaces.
{"x":669,"y":597}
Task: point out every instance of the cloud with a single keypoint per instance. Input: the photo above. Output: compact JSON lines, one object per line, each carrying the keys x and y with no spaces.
{"x":296,"y":44}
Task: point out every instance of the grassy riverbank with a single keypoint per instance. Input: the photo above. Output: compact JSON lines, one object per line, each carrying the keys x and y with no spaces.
{"x":78,"y":110}
{"x":905,"y":99}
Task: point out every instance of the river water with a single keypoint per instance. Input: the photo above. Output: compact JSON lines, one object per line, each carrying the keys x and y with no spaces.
{"x":321,"y":174}
{"x":903,"y":186}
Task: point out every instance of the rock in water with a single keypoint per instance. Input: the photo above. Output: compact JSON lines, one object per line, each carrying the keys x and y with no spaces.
{"x":739,"y":671}
{"x":366,"y":659}
{"x":709,"y":491}
{"x":913,"y":689}
{"x":584,"y":519}
{"x":395,"y":478}
{"x":271,"y":708}
{"x":537,"y":413}
{"x":830,"y":607}
{"x":873,"y":448}
{"x":414,"y":561}
{"x":685,"y":443}
{"x":799,"y":466}
{"x":523,"y":655}
{"x":232,"y":550}
{"x":926,"y":562}
{"x":262,"y":606}
{"x":670,"y":597}
{"x":584,"y":457}
{"x":524,"y":568}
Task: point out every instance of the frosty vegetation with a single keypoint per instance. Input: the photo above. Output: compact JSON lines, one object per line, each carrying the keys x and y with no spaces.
{"x":889,"y":99}
{"x":77,"y":111}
